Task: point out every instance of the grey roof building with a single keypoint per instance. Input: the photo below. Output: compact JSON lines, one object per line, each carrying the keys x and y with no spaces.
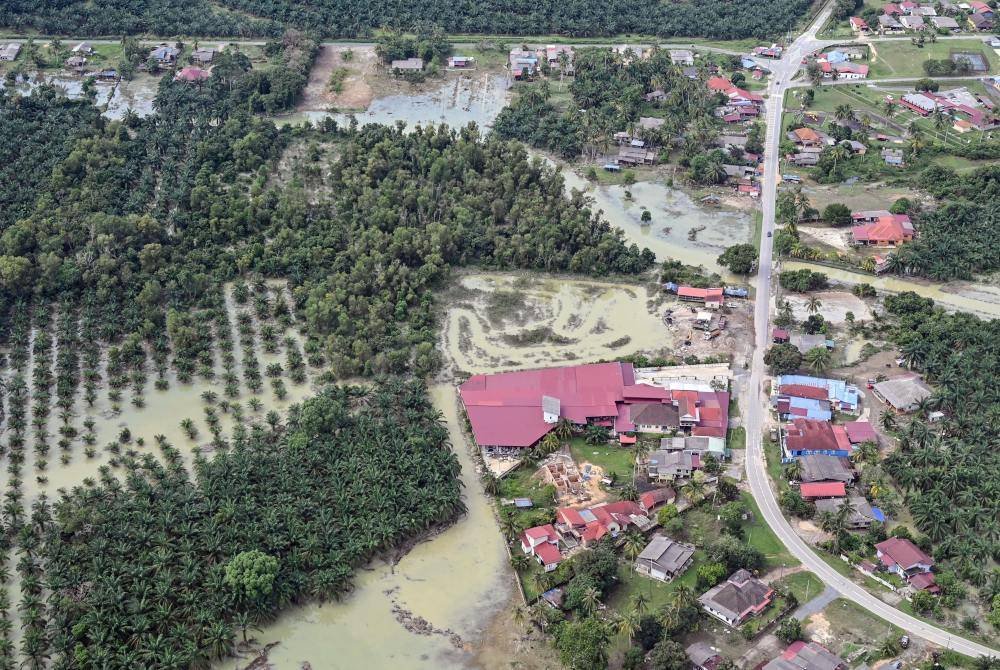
{"x":737,"y":599}
{"x":903,"y":393}
{"x":703,"y":657}
{"x":664,"y":559}
{"x":807,"y":656}
{"x":862,"y":515}
{"x":411,"y":64}
{"x":670,"y":465}
{"x":825,"y":468}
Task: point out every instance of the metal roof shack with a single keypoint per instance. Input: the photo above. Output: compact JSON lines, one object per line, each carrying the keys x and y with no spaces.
{"x":817,"y":490}
{"x":807,"y":656}
{"x":408,"y":64}
{"x":903,"y":394}
{"x":824,"y":467}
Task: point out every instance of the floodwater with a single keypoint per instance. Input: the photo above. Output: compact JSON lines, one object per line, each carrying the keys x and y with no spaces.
{"x":674,"y":215}
{"x":458,"y":101}
{"x":980,"y":299}
{"x":587,"y":320}
{"x":115,"y":98}
{"x":457,"y":581}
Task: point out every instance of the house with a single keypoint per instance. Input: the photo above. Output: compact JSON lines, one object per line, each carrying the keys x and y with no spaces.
{"x":980,"y":7}
{"x":980,"y":22}
{"x":76,"y":62}
{"x":944,"y":23}
{"x":542,"y":542}
{"x":655,"y":417}
{"x":807,"y":656}
{"x":554,"y":53}
{"x":892,"y":9}
{"x":737,"y":599}
{"x":461,"y":62}
{"x":902,"y":557}
{"x":9,"y":52}
{"x":192,"y":74}
{"x":887,"y":25}
{"x":904,"y":393}
{"x":859,"y":25}
{"x":779,"y":336}
{"x":83,"y":49}
{"x":912,"y":22}
{"x":773,"y":51}
{"x":860,"y":431}
{"x":924,"y":581}
{"x":203,"y":56}
{"x":681,"y":57}
{"x":893,"y":157}
{"x":862,"y":515}
{"x":710,"y":297}
{"x":819,"y":490}
{"x":889,"y":230}
{"x":809,"y":436}
{"x":636,"y":155}
{"x":845,"y":70}
{"x":737,"y":172}
{"x":672,"y":465}
{"x":165,"y":55}
{"x":650,"y":501}
{"x":855,"y":147}
{"x":664,"y":559}
{"x":106,"y":75}
{"x":655,"y":96}
{"x":703,"y":657}
{"x":733,"y":93}
{"x":790,"y":407}
{"x":809,"y":137}
{"x":803,"y":160}
{"x":700,"y":444}
{"x":843,"y":397}
{"x":691,"y":72}
{"x":806,"y":341}
{"x":825,"y":468}
{"x":523,"y":64}
{"x":407,"y":65}
{"x":587,"y":526}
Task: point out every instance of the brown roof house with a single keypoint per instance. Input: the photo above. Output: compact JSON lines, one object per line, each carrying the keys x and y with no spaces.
{"x":737,"y":599}
{"x":664,"y":559}
{"x":654,"y":417}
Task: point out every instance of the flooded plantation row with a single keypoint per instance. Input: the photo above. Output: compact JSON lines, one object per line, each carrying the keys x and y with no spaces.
{"x":115,"y":98}
{"x":74,"y":410}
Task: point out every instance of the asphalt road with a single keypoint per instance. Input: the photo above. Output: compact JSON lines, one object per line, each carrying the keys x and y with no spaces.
{"x":756,"y":401}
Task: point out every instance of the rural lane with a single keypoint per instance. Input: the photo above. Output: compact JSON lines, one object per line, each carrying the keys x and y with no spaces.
{"x":756,"y":401}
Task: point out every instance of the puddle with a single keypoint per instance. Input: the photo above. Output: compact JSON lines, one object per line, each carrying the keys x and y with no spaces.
{"x":457,"y":580}
{"x":457,"y":102}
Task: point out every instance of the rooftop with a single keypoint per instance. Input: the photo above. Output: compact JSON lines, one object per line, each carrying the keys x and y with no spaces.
{"x":903,"y":393}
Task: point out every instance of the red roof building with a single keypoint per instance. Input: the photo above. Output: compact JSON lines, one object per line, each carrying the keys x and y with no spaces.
{"x":888,"y":231}
{"x":192,"y":74}
{"x":892,"y":9}
{"x":803,"y":391}
{"x":817,"y":490}
{"x":860,"y":431}
{"x":650,"y":500}
{"x":780,"y":336}
{"x":506,"y":409}
{"x":803,"y":436}
{"x":705,"y":295}
{"x":548,"y":555}
{"x":924,"y":581}
{"x":858,"y":24}
{"x":901,"y":556}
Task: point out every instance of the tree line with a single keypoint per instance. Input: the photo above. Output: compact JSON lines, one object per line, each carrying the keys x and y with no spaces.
{"x":339,"y":18}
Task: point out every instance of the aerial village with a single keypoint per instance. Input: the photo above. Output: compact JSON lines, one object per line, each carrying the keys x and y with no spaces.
{"x":648,"y":460}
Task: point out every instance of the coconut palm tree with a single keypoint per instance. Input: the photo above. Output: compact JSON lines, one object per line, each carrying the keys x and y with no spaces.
{"x":591,"y":600}
{"x":627,"y":624}
{"x":640,"y":602}
{"x":633,"y":544}
{"x":813,"y":304}
{"x":819,"y":359}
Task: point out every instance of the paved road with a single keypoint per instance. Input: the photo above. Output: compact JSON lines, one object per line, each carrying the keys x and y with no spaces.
{"x":755,"y":401}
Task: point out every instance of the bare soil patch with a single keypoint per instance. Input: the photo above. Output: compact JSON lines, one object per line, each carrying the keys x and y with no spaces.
{"x":834,"y":306}
{"x":355,"y":90}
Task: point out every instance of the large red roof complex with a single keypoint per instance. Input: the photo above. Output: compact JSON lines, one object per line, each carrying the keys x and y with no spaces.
{"x":505,"y":409}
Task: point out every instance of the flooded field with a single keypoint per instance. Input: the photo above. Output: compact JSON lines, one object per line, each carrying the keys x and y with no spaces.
{"x":498,"y":322}
{"x":457,"y":101}
{"x":680,"y":228}
{"x":457,"y":581}
{"x":115,"y":98}
{"x":979,"y":299}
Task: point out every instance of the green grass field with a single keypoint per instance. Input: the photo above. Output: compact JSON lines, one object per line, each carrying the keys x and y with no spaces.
{"x":612,"y":458}
{"x":900,"y":58}
{"x":630,"y":582}
{"x":760,"y":535}
{"x":803,"y":585}
{"x":736,"y":438}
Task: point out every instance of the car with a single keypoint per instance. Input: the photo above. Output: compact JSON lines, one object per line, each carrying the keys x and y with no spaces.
{"x":769,"y":233}
{"x":904,"y":641}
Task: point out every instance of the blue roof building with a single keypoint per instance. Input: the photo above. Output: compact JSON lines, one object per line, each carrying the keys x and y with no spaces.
{"x":842,"y":396}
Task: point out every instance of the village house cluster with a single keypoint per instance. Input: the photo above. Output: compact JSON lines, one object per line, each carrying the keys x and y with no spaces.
{"x":525,"y":64}
{"x":945,"y":17}
{"x":806,"y":407}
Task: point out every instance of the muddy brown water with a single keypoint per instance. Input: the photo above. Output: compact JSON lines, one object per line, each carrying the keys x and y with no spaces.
{"x":458,"y":101}
{"x":114,"y":98}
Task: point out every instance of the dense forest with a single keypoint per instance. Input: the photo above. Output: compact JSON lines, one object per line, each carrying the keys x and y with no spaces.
{"x":141,"y":570}
{"x":960,"y":239}
{"x":950,"y":471}
{"x":607,"y":97}
{"x":340,"y":18}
